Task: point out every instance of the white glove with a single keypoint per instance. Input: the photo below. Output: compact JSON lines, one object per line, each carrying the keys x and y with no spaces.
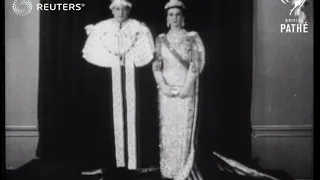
{"x":89,"y":28}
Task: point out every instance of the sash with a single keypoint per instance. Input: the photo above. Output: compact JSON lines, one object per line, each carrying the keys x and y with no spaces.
{"x":175,"y":53}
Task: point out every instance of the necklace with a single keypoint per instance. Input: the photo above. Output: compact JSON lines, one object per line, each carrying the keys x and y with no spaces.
{"x":176,"y":37}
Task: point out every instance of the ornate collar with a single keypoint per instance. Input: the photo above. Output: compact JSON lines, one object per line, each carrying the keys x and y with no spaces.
{"x":117,"y":23}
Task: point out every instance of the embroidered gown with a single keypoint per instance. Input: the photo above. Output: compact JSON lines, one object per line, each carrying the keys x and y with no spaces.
{"x":178,"y":64}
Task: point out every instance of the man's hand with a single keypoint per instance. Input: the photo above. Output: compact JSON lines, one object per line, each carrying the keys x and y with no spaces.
{"x":89,"y":28}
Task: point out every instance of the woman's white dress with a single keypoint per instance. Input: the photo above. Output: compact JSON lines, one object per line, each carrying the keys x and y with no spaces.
{"x":178,"y":116}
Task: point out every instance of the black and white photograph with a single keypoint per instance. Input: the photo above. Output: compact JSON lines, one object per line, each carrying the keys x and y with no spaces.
{"x":159,"y":89}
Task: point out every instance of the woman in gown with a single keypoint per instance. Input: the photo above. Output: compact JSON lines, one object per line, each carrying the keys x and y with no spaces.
{"x":180,"y":58}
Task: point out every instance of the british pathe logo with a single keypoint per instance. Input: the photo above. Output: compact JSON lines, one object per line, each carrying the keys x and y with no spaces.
{"x":296,"y":22}
{"x":297,"y":4}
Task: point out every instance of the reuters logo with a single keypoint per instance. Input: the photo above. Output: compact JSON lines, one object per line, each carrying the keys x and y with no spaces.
{"x":22,"y":7}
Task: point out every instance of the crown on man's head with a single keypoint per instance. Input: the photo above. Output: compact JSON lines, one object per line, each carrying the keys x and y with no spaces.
{"x":174,"y":3}
{"x":115,"y":3}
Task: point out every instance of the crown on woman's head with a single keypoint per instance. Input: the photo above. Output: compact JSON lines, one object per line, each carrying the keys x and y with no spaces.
{"x":115,"y":3}
{"x":174,"y":3}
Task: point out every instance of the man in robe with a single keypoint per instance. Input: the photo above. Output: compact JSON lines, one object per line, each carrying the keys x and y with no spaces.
{"x":126,"y":47}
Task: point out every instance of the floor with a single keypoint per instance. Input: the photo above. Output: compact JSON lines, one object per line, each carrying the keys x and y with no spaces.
{"x":37,"y":170}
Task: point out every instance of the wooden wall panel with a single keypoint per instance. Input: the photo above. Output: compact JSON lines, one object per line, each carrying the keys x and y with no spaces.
{"x":285,"y":147}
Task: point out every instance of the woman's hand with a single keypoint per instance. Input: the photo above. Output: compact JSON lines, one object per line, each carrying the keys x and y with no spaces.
{"x":89,"y":28}
{"x":184,"y":92}
{"x":166,"y":90}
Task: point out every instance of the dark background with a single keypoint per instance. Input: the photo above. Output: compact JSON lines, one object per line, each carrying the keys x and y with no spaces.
{"x":71,"y":91}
